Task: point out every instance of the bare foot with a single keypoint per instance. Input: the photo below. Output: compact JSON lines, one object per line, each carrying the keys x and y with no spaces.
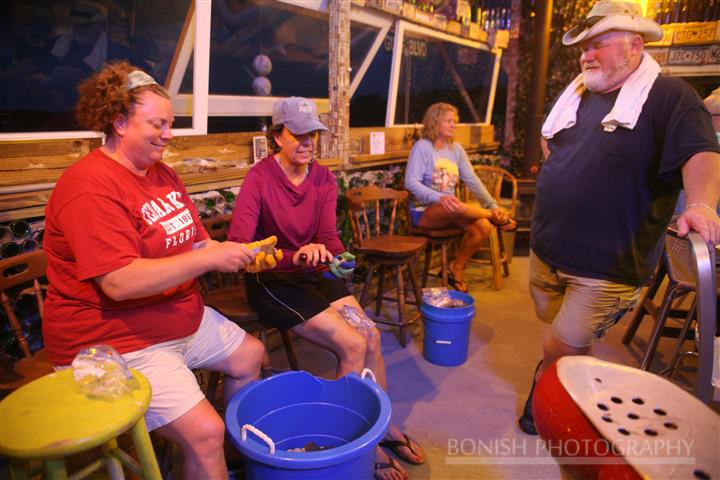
{"x":455,"y":279}
{"x":411,"y":454}
{"x":386,"y":468}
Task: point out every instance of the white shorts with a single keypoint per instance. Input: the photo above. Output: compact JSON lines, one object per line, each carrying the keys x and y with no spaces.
{"x":167,"y":366}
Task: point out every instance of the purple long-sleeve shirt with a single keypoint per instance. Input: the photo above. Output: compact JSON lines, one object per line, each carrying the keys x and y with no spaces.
{"x":269,"y":204}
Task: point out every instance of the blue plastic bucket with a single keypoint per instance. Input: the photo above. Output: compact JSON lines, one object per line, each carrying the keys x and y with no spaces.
{"x":351,"y":414}
{"x":447,"y":331}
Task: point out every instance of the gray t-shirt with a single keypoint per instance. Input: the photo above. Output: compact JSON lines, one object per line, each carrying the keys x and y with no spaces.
{"x":432,"y":173}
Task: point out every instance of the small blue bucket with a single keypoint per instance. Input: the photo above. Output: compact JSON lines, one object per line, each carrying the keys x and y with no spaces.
{"x":351,"y":415}
{"x":447,"y":331}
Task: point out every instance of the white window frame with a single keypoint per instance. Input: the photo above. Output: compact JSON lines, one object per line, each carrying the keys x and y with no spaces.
{"x":199,"y":43}
{"x":253,"y":106}
{"x":384,"y":23}
{"x":401,"y":26}
{"x":200,"y":104}
{"x":197,"y":39}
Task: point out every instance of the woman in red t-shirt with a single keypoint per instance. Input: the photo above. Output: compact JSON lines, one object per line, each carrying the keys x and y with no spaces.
{"x":124,"y":247}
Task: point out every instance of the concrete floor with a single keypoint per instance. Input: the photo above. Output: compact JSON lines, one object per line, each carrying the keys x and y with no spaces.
{"x":465,"y":416}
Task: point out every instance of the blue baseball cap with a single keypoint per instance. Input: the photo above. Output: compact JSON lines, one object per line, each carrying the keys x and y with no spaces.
{"x":298,"y":114}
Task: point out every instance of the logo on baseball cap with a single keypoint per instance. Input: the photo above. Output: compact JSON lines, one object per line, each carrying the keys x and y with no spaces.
{"x":298,"y":114}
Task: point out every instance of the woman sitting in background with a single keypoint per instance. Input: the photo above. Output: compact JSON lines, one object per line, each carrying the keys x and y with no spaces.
{"x":289,"y":195}
{"x":124,"y":246}
{"x":435,"y":165}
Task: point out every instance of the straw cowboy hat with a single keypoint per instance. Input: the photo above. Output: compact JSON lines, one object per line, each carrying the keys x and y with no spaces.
{"x":608,"y":15}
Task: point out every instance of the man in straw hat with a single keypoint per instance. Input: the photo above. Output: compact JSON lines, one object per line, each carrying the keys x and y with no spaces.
{"x":619,"y":144}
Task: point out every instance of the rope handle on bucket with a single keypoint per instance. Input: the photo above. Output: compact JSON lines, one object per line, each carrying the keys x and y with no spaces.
{"x":366,"y":371}
{"x":243,"y":435}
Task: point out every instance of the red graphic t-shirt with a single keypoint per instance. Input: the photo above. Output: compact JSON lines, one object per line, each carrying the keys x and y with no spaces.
{"x":100,"y":217}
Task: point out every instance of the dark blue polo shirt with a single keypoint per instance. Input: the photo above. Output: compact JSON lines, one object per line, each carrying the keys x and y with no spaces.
{"x":604,"y":199}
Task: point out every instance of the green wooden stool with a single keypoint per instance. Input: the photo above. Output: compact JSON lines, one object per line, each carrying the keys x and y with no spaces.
{"x":48,"y":420}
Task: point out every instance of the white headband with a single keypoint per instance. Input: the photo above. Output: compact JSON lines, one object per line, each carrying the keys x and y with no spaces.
{"x":138,"y":78}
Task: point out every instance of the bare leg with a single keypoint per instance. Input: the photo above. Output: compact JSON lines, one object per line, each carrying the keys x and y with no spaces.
{"x":200,"y":435}
{"x":554,"y":349}
{"x":435,"y":216}
{"x":241,"y":366}
{"x":477,"y":232}
{"x":373,"y":356}
{"x":473,"y":219}
{"x":375,"y":362}
{"x":329,"y":330}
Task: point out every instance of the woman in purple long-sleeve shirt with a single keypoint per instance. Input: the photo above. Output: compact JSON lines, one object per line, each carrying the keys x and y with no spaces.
{"x":290,"y":196}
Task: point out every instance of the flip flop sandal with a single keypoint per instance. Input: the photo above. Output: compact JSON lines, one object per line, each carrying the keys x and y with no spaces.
{"x":393,"y":465}
{"x":501,"y":225}
{"x":456,"y":284}
{"x":395,"y":445}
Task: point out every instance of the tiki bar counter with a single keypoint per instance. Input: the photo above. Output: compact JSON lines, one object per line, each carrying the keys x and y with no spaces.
{"x":360,"y":239}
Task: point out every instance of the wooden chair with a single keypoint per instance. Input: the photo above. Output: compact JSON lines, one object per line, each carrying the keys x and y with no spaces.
{"x":375,"y":237}
{"x":498,"y":249}
{"x":15,"y":271}
{"x":225,"y":292}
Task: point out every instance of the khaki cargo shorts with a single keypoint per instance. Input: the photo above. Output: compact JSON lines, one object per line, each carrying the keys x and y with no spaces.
{"x":580,"y":309}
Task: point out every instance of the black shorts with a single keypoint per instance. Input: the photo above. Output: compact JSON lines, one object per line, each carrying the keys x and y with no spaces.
{"x":283,"y":300}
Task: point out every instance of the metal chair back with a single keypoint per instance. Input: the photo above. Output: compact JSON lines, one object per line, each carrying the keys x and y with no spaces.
{"x":692,"y":261}
{"x":679,"y":260}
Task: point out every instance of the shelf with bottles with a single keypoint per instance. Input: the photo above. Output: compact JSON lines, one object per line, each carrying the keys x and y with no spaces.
{"x":473,"y":19}
{"x":667,"y":12}
{"x":21,"y":236}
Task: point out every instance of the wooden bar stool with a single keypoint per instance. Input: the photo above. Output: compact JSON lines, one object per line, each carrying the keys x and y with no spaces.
{"x":49,"y":419}
{"x":373,"y":214}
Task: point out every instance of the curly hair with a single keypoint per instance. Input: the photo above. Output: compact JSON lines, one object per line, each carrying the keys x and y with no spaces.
{"x":433,"y":116}
{"x":104,"y":96}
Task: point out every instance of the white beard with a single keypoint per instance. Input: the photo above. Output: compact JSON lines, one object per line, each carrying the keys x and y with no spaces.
{"x":595,"y":81}
{"x":598,"y":81}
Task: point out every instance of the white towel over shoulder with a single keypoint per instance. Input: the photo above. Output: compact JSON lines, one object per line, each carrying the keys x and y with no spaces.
{"x":625,"y":111}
